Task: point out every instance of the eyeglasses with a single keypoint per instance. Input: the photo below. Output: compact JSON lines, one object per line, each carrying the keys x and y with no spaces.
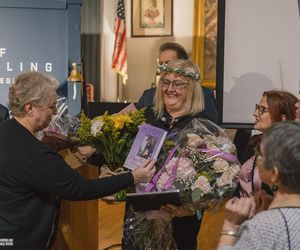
{"x":177,"y":84}
{"x":261,"y":109}
{"x":52,"y":106}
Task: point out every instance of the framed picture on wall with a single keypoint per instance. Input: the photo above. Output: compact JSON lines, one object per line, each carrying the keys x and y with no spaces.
{"x":205,"y":40}
{"x":151,"y":18}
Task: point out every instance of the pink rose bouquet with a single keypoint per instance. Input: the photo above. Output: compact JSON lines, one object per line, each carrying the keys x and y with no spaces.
{"x":203,"y":166}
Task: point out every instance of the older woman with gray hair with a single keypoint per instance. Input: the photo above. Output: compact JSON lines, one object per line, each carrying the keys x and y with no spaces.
{"x":178,"y":99}
{"x":33,"y":177}
{"x":279,"y":226}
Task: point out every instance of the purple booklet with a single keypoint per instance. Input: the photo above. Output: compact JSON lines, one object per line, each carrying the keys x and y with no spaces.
{"x":146,"y":145}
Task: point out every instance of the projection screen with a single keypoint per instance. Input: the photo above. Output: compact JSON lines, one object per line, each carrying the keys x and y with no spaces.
{"x":258,"y":50}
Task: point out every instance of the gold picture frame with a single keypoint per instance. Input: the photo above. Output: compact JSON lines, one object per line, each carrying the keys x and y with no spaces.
{"x":150,"y":18}
{"x":205,"y":40}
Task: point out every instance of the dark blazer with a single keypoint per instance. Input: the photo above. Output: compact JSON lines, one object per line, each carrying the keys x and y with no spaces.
{"x":3,"y":113}
{"x":33,"y":182}
{"x":210,"y":109}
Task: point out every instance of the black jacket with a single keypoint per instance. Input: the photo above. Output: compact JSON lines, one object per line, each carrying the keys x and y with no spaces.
{"x":32,"y":179}
{"x":3,"y":113}
{"x":185,"y":229}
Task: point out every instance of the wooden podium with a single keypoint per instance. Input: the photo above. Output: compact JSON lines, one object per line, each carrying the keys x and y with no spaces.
{"x":78,"y":220}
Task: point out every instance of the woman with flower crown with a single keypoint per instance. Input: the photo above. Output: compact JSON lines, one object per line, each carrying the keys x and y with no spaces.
{"x":178,"y":99}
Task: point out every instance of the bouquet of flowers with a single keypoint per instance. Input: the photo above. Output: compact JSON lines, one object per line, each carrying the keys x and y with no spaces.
{"x":63,"y":125}
{"x":202,"y":165}
{"x":112,"y":135}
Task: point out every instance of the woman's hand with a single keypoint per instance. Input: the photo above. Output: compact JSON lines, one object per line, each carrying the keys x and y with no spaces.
{"x":86,"y":151}
{"x":262,"y":201}
{"x":178,"y":211}
{"x":144,"y":173}
{"x":237,"y":211}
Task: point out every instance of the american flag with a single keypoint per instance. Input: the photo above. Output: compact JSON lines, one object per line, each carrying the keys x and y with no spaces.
{"x":119,"y":58}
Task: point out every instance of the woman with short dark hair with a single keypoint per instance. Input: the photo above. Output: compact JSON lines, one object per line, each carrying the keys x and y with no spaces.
{"x":278,"y":161}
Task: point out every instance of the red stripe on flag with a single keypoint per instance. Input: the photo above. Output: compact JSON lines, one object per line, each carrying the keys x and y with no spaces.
{"x":119,"y":43}
{"x":119,"y":57}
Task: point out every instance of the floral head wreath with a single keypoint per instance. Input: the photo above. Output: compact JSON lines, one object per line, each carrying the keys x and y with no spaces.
{"x":186,"y":73}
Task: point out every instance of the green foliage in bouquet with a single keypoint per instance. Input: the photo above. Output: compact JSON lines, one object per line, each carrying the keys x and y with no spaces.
{"x":112,"y":135}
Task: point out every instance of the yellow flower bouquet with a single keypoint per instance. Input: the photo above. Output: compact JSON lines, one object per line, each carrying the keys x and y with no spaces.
{"x":111,"y":135}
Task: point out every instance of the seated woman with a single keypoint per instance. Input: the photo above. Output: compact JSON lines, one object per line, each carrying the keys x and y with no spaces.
{"x":273,"y":107}
{"x":278,"y":227}
{"x":178,"y":99}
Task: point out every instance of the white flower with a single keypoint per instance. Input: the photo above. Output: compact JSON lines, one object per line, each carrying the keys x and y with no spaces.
{"x":203,"y":184}
{"x":220,"y":165}
{"x":225,"y":179}
{"x":210,"y":142}
{"x":234,"y":170}
{"x":96,"y":127}
{"x":228,"y":176}
{"x":194,"y":140}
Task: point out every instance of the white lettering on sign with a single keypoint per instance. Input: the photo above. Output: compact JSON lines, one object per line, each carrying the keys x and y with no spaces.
{"x":2,"y":52}
{"x":8,"y":68}
{"x":16,"y":67}
{"x":48,"y":67}
{"x":6,"y":80}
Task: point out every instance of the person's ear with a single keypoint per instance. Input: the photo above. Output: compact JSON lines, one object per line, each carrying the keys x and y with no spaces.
{"x":283,"y":118}
{"x":29,"y":109}
{"x":274,"y":178}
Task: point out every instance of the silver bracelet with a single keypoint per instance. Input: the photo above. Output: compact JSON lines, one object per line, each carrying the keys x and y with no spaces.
{"x":232,"y":233}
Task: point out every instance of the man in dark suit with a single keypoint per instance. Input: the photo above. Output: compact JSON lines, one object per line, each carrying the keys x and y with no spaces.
{"x":3,"y":113}
{"x":167,"y":52}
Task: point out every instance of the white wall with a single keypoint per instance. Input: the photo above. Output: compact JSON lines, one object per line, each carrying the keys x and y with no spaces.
{"x":108,"y":90}
{"x":141,"y":52}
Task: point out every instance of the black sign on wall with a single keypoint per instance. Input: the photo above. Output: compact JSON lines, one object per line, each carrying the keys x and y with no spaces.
{"x":38,"y":35}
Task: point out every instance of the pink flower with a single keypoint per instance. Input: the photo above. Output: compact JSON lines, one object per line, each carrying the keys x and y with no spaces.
{"x":203,"y":184}
{"x":185,"y":168}
{"x":162,"y":181}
